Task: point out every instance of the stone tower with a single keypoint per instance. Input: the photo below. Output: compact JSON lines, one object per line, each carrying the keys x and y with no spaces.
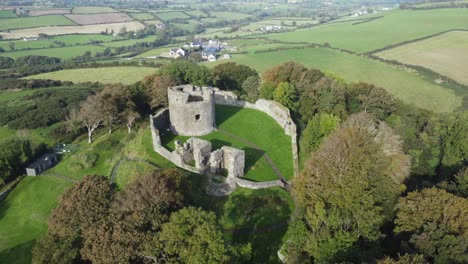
{"x":191,"y":110}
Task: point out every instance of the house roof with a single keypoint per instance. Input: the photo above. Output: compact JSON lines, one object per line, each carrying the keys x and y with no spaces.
{"x":42,"y":160}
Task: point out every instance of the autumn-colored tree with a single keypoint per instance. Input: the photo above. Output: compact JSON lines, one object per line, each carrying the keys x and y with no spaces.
{"x":158,"y":187}
{"x":368,"y":97}
{"x":192,"y":235}
{"x":81,"y":206}
{"x":286,"y":94}
{"x":438,"y":224}
{"x":113,"y":101}
{"x":349,"y":186}
{"x":156,"y":87}
{"x":291,"y":72}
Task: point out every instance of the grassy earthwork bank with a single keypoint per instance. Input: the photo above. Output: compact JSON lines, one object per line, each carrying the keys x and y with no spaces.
{"x":246,"y":126}
{"x":402,"y":83}
{"x":124,"y":74}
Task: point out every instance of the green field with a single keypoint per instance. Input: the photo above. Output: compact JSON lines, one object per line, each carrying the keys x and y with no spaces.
{"x":228,"y":15}
{"x":64,"y":53}
{"x":92,"y":10}
{"x":24,"y":214}
{"x":405,"y":85}
{"x":67,"y":39}
{"x":171,"y":15}
{"x":7,"y":14}
{"x":125,"y":75}
{"x":142,"y":16}
{"x":446,"y":54}
{"x":31,"y":22}
{"x":197,"y":13}
{"x":256,"y":127}
{"x":395,"y":27}
{"x":129,"y":42}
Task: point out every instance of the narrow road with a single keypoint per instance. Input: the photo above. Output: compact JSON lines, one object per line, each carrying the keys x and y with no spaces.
{"x":257,"y":148}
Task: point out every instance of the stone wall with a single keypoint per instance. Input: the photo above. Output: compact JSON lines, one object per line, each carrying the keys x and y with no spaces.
{"x":259,"y":185}
{"x":274,"y":109}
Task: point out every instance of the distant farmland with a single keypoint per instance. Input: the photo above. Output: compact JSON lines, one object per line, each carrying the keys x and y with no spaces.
{"x":407,"y":86}
{"x":394,"y":27}
{"x":90,"y":19}
{"x":87,"y":29}
{"x":29,"y":22}
{"x":446,"y":54}
{"x":125,"y":75}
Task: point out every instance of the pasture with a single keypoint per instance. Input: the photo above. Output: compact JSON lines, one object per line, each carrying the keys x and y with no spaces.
{"x":92,"y":10}
{"x":142,"y":16}
{"x":405,"y":85}
{"x":228,"y":15}
{"x":42,"y":12}
{"x":446,"y":54}
{"x":64,"y":53}
{"x":125,"y":75}
{"x":395,"y":27}
{"x":7,"y":14}
{"x":90,"y":19}
{"x":165,"y":16}
{"x":57,"y":30}
{"x":68,"y":40}
{"x":32,"y":22}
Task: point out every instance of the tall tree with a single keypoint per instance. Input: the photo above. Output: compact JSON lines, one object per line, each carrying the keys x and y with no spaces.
{"x":349,"y":187}
{"x":193,"y":236}
{"x":437,"y":222}
{"x":156,"y":87}
{"x":317,"y":129}
{"x":90,"y":115}
{"x":231,"y":76}
{"x":286,"y":94}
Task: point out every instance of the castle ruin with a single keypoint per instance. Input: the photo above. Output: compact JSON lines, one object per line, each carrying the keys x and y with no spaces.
{"x":191,"y":110}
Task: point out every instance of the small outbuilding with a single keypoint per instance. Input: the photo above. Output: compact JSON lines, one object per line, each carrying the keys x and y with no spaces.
{"x":40,"y":165}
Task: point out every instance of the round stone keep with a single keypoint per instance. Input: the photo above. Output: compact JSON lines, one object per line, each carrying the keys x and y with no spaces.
{"x":191,"y":110}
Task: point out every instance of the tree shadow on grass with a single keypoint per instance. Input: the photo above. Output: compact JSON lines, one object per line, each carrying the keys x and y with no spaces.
{"x":252,"y":155}
{"x":21,"y":253}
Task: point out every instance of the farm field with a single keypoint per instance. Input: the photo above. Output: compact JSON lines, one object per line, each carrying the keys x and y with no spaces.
{"x":64,"y":53}
{"x":197,"y":13}
{"x":395,"y":27}
{"x":406,"y":86}
{"x":24,"y":214}
{"x":63,"y":30}
{"x":39,"y":12}
{"x":91,"y":19}
{"x":156,"y":52}
{"x":92,"y":10}
{"x":129,"y":42}
{"x":171,"y":15}
{"x":446,"y":54}
{"x":7,"y":14}
{"x":32,"y":22}
{"x":66,"y":39}
{"x":228,"y":15}
{"x":125,"y":75}
{"x":142,"y":16}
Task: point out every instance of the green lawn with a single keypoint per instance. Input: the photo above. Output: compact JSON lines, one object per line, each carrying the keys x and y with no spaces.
{"x":24,"y":214}
{"x":64,"y":53}
{"x":125,"y":74}
{"x":405,"y":85}
{"x":256,"y":127}
{"x":395,"y":27}
{"x":39,"y":21}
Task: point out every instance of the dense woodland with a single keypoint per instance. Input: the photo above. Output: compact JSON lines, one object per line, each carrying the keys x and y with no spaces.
{"x":381,"y":181}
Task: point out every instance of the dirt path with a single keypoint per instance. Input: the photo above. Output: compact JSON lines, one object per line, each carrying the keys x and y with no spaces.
{"x":61,"y":176}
